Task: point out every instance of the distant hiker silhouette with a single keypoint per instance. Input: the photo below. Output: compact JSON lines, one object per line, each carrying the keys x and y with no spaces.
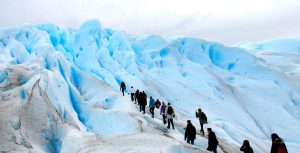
{"x":132,"y":91}
{"x":278,"y":145}
{"x":143,"y":101}
{"x":190,"y":133}
{"x":170,"y":115}
{"x":136,"y":95}
{"x":246,"y":148}
{"x":163,"y":112}
{"x":122,"y":87}
{"x":212,"y":141}
{"x":202,"y":119}
{"x":140,"y":101}
{"x":152,"y":106}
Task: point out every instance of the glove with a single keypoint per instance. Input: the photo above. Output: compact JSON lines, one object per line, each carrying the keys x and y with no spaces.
{"x":173,"y":115}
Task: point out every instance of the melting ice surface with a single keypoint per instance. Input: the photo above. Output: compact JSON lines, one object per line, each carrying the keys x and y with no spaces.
{"x":59,"y":90}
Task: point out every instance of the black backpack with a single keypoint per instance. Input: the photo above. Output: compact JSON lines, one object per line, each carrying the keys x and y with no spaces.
{"x":203,"y":116}
{"x":170,"y":110}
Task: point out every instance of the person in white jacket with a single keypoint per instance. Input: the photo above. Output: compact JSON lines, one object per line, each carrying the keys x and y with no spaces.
{"x":170,"y":115}
{"x":131,"y":92}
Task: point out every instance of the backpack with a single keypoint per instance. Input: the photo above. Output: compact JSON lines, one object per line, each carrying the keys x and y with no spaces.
{"x":157,"y":104}
{"x":203,"y":117}
{"x":170,"y":110}
{"x":281,"y":150}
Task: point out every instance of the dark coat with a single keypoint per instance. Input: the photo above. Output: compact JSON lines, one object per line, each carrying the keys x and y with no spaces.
{"x":137,"y":94}
{"x":212,"y":141}
{"x":123,"y":86}
{"x":190,"y":132}
{"x":277,"y":145}
{"x":246,"y":149}
{"x":142,"y":99}
{"x":202,"y":117}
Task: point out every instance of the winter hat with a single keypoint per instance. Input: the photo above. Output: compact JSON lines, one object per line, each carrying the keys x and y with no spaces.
{"x":246,"y":143}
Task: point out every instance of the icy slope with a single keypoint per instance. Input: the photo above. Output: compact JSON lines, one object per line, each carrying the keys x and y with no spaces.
{"x":60,"y":87}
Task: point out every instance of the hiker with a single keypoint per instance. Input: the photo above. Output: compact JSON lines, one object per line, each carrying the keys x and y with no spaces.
{"x":131,"y":91}
{"x":202,"y":119}
{"x":145,"y":96}
{"x":143,"y":101}
{"x":157,"y":103}
{"x":246,"y":148}
{"x":152,"y":106}
{"x":122,"y":87}
{"x":212,"y":141}
{"x":190,"y":133}
{"x":170,"y":115}
{"x":140,"y":100}
{"x":163,"y":112}
{"x":136,"y":95}
{"x":278,"y":145}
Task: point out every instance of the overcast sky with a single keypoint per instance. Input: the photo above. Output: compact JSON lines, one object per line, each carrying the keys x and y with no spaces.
{"x":226,"y":21}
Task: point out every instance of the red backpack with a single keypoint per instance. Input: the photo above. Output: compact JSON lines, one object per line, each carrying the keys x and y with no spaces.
{"x":157,"y":104}
{"x":281,"y":150}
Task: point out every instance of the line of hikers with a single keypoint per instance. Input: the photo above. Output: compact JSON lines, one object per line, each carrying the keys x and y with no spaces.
{"x":190,"y":132}
{"x":140,"y":98}
{"x":168,"y":113}
{"x":278,"y":145}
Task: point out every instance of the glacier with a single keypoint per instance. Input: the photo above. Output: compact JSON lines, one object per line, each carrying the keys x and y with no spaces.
{"x":59,"y":90}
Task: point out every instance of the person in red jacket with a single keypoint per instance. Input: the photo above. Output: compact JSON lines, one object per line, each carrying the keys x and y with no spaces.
{"x":278,"y":145}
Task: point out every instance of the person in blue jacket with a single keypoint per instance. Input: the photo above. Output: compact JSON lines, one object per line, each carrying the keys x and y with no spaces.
{"x":152,"y":106}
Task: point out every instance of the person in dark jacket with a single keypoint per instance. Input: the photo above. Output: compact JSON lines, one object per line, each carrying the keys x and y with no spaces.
{"x":278,"y":145}
{"x":190,"y":133}
{"x":163,"y":112}
{"x":143,"y":103}
{"x":140,"y":100}
{"x":136,"y":96}
{"x":212,"y":141}
{"x":122,"y":87}
{"x":246,"y":148}
{"x":202,"y":119}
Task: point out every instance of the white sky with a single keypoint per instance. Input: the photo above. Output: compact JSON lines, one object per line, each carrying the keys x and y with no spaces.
{"x":226,"y":21}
